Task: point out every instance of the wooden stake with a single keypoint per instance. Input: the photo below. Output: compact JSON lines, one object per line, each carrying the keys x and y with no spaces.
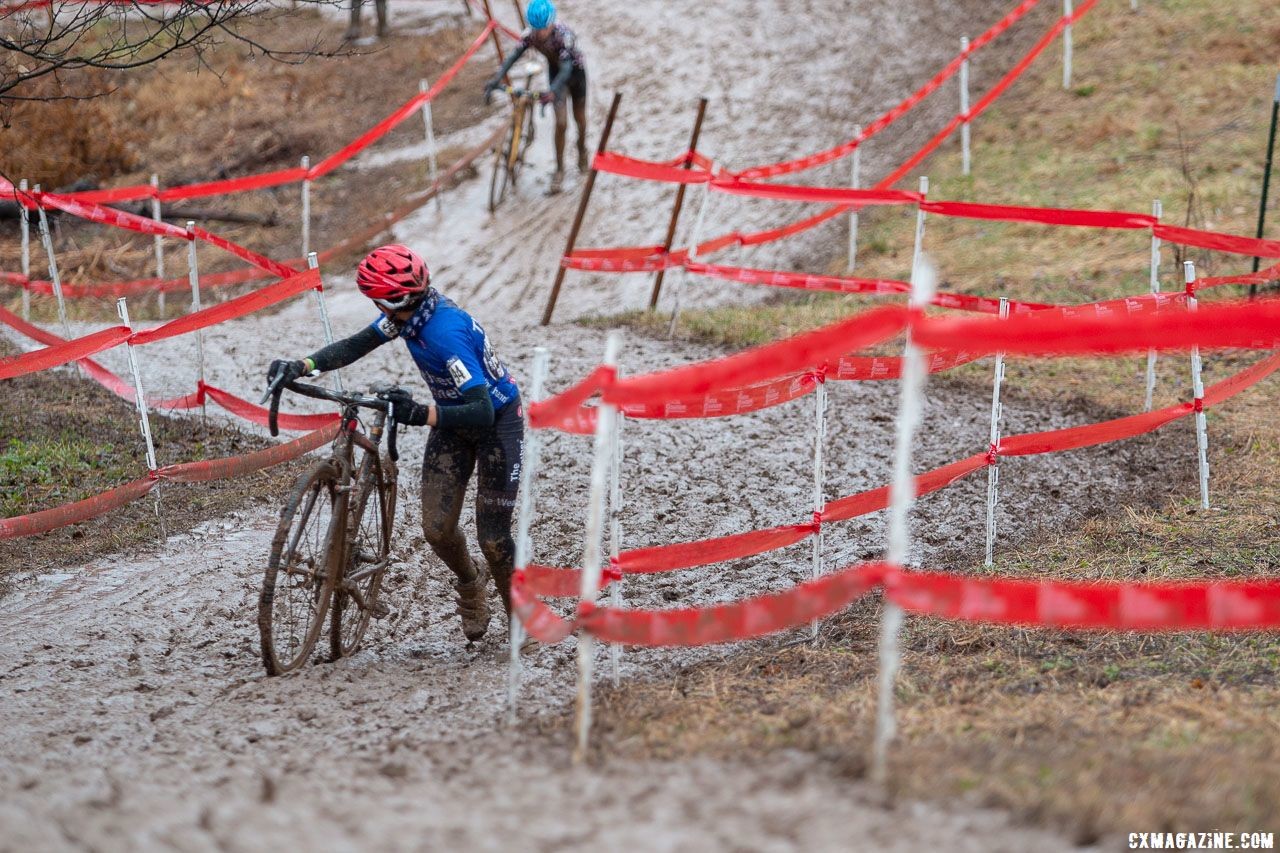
{"x":497,"y":43}
{"x":582,"y":210}
{"x":679,"y":203}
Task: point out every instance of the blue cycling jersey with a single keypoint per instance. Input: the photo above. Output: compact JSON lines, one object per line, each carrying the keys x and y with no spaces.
{"x":451,"y":350}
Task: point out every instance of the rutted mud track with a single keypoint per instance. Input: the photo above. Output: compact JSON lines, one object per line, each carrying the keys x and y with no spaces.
{"x":135,"y":709}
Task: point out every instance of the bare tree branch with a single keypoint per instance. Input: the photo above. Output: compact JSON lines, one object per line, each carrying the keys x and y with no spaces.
{"x":36,"y":43}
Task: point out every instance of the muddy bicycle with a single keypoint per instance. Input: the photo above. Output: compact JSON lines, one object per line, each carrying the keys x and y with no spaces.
{"x":333,"y":543}
{"x":508,"y":157}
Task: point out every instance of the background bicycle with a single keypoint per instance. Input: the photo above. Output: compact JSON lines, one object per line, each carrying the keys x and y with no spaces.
{"x":508,"y":159}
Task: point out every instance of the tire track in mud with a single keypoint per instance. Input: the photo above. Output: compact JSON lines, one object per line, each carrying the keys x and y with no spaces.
{"x":517,"y":239}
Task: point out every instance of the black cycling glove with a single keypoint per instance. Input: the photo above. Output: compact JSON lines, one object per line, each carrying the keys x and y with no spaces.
{"x":291,"y":369}
{"x":405,"y":410}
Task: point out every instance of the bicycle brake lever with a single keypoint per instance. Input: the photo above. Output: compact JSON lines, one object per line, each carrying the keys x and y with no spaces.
{"x":271,"y":389}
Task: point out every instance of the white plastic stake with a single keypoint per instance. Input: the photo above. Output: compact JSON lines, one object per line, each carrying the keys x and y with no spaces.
{"x":695,"y":238}
{"x":615,"y":532}
{"x":964,"y":105}
{"x":855,"y":181}
{"x":902,"y":496}
{"x":524,"y":542}
{"x":819,"y":496}
{"x":431,"y":143}
{"x":25,"y":228}
{"x":1197,"y":387}
{"x":193,"y":276}
{"x":591,"y":560}
{"x":139,"y":398}
{"x":47,"y":239}
{"x":993,"y":470}
{"x":144,"y":420}
{"x":1067,"y":12}
{"x":313,"y":262}
{"x":158,"y":240}
{"x":919,"y":245}
{"x":306,"y":208}
{"x":1157,"y":210}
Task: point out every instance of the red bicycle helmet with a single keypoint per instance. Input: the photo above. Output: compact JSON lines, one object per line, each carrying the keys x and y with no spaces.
{"x":393,"y":276}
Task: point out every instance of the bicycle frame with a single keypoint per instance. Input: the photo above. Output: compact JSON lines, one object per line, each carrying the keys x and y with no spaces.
{"x":343,"y":458}
{"x":521,"y":103}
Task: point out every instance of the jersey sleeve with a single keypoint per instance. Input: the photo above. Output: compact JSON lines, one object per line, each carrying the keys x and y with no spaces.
{"x":457,"y":347}
{"x":568,"y":43}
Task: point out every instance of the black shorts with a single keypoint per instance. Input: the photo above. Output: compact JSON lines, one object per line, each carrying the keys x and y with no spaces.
{"x":578,"y":85}
{"x":576,"y":88}
{"x":492,"y":453}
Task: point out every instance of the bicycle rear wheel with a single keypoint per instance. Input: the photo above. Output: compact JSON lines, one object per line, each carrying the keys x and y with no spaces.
{"x":528,"y":133}
{"x":298,"y":585}
{"x":369,"y":520}
{"x":500,"y":181}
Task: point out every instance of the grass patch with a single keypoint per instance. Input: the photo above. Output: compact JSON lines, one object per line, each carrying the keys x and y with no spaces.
{"x":738,"y":326}
{"x":42,"y":469}
{"x":72,"y":439}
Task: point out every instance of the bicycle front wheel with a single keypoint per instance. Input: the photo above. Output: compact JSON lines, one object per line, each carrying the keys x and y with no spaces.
{"x":369,"y":520}
{"x":500,"y":181}
{"x":298,"y":585}
{"x":528,"y":133}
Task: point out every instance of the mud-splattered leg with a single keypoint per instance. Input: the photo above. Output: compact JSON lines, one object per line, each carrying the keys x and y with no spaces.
{"x":446,"y":468}
{"x":497,"y":485}
{"x":562,"y":124}
{"x":578,"y":91}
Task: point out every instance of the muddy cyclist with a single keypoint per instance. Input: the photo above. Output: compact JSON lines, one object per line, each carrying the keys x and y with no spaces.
{"x":476,"y":419}
{"x":568,"y":76}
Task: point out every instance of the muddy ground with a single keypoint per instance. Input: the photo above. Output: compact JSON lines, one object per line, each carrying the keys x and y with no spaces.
{"x":136,"y":710}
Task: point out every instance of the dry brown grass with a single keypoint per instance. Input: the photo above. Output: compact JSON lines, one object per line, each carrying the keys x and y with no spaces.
{"x":236,"y":116}
{"x":1087,"y":732}
{"x":56,"y":142}
{"x":1058,"y":732}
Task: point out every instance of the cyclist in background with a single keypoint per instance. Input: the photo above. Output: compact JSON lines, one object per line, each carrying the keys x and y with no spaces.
{"x":567,"y":73}
{"x":476,"y":419}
